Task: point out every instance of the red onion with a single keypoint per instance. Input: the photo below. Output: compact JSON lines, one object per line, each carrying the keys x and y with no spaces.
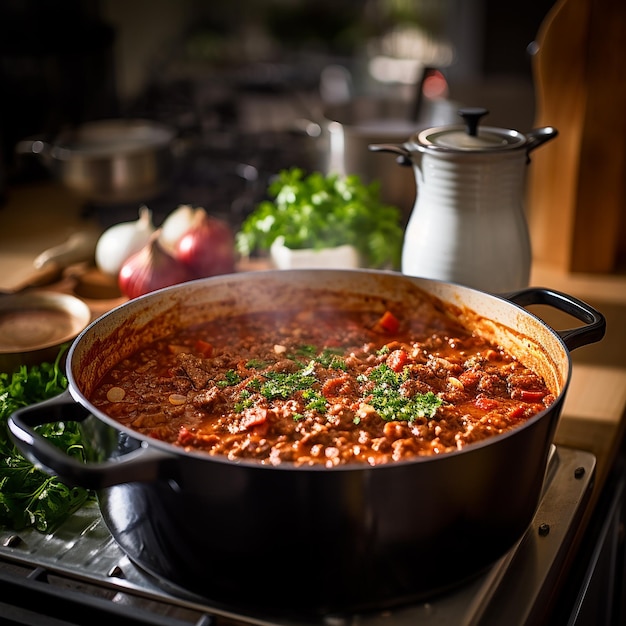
{"x":208,"y":247}
{"x":151,"y":268}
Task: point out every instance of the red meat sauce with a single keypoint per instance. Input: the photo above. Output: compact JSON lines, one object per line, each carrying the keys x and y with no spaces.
{"x":322,"y":387}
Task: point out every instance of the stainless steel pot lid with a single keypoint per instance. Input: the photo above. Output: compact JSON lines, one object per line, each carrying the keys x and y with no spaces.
{"x":112,"y":137}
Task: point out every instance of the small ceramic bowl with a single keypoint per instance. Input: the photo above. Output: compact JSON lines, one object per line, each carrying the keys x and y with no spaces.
{"x":341,"y":257}
{"x":34,"y":325}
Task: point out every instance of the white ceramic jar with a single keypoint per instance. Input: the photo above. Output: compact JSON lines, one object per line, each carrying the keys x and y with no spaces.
{"x":468,"y":224}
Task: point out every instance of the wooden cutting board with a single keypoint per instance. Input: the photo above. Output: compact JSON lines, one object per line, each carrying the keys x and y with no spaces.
{"x":577,"y":183}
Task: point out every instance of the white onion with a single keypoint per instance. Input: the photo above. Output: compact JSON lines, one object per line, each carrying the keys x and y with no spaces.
{"x":175,"y":225}
{"x":121,"y":241}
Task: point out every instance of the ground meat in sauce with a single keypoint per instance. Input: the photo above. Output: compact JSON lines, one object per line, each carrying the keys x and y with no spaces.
{"x":322,"y":387}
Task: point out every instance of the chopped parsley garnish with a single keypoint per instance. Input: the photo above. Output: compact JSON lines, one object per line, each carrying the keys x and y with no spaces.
{"x":230,"y":378}
{"x":256,"y":364}
{"x":331,"y":358}
{"x":315,"y":401}
{"x":391,"y":404}
{"x":385,"y":396}
{"x":284,"y":385}
{"x":328,"y":357}
{"x":245,"y":401}
{"x":305,"y":350}
{"x":254,"y":384}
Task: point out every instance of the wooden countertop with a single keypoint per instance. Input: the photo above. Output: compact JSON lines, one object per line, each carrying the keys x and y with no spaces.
{"x":38,"y":216}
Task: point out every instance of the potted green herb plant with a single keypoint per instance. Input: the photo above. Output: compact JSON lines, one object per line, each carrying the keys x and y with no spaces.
{"x":323,"y":220}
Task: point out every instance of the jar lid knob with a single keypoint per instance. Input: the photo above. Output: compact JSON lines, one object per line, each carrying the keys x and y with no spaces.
{"x":472,"y":116}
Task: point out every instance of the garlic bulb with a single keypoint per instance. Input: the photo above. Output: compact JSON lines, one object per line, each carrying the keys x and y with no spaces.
{"x":120,"y":241}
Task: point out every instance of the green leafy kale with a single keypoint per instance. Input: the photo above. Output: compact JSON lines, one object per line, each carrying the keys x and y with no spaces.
{"x":28,"y":496}
{"x":324,"y":211}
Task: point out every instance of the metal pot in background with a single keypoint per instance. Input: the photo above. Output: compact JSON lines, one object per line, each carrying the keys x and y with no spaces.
{"x":346,"y":129}
{"x":109,"y":161}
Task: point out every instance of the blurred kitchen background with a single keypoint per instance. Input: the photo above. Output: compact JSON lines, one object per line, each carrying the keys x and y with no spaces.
{"x":249,"y":86}
{"x":242,"y":78}
{"x":80,"y":59}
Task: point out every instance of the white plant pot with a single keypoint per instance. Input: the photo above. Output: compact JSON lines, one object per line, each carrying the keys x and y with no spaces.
{"x":341,"y":257}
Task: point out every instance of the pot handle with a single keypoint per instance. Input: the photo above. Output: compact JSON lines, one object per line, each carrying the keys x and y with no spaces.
{"x":573,"y":338}
{"x":403,"y":155}
{"x":33,"y":146}
{"x":146,"y":464}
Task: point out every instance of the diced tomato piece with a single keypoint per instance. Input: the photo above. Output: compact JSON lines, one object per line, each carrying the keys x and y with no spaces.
{"x":185,"y":436}
{"x":254,"y":416}
{"x":516,"y":412}
{"x":389,"y":322}
{"x":469,"y":379}
{"x":397,"y":360}
{"x":485,"y":404}
{"x":203,"y":347}
{"x":261,"y":430}
{"x":531,"y":396}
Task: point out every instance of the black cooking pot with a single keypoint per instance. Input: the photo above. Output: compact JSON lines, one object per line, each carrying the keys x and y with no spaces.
{"x":310,"y":539}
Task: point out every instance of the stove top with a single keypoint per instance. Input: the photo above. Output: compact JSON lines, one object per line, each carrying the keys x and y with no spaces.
{"x":79,"y":572}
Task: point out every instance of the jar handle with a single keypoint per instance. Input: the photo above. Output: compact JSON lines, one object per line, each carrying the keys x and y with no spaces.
{"x":539,"y":136}
{"x":403,"y":155}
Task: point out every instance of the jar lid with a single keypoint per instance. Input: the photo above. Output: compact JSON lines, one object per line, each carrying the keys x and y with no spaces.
{"x":470,"y":138}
